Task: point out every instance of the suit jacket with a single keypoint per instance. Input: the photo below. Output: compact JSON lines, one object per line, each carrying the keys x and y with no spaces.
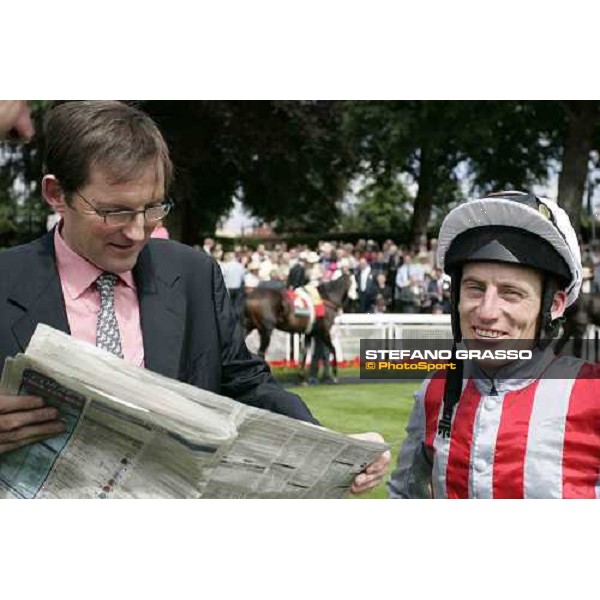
{"x":189,"y":328}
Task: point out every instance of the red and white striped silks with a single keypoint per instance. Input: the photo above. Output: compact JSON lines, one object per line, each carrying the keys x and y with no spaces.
{"x":541,"y":440}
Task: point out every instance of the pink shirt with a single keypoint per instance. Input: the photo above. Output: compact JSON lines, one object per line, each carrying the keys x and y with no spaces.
{"x":82,"y":301}
{"x":160,"y":232}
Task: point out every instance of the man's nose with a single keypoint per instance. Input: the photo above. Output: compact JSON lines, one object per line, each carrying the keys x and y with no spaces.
{"x":135,"y":230}
{"x":489,"y":308}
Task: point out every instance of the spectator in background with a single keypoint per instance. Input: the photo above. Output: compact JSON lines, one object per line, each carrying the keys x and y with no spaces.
{"x":364,"y":280}
{"x":234,"y":275}
{"x":434,"y":290}
{"x":371,"y":251}
{"x":259,"y":254}
{"x":394,"y":262}
{"x":437,"y":309}
{"x":378,"y":265}
{"x":284,"y":266}
{"x":266,"y":267}
{"x":409,"y":278}
{"x":587,"y":280}
{"x":382,"y":295}
{"x":315,"y":272}
{"x":251,"y":279}
{"x":208,"y":245}
{"x":433,"y":259}
{"x":421,"y":246}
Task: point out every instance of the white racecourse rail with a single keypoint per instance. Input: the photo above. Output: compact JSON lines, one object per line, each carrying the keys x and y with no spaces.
{"x":350,"y":328}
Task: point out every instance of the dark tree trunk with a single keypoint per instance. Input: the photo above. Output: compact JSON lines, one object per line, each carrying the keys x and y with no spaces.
{"x":581,"y":117}
{"x":424,"y":199}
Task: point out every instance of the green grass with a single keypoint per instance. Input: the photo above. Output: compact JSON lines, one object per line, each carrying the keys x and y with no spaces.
{"x":356,"y":408}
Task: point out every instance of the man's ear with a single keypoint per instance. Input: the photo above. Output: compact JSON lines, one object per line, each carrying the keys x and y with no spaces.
{"x":559,"y":304}
{"x":54,"y":195}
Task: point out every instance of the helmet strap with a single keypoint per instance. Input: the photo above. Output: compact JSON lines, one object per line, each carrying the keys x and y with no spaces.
{"x":547,"y":327}
{"x":453,"y":385}
{"x":452,"y":392}
{"x":456,"y":277}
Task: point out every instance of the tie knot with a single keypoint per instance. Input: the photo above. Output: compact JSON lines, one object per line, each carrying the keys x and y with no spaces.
{"x":106,"y":282}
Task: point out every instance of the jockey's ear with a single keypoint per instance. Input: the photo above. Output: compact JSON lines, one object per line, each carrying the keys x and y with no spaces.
{"x":559,"y":303}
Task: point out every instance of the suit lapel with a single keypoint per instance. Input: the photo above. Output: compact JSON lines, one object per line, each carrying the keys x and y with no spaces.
{"x":37,"y":297}
{"x":162,"y":312}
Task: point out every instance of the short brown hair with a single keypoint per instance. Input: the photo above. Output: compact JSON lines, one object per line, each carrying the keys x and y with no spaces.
{"x":111,"y":135}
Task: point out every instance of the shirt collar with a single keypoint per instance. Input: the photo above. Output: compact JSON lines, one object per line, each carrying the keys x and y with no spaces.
{"x":514,"y":375}
{"x":76,"y":273}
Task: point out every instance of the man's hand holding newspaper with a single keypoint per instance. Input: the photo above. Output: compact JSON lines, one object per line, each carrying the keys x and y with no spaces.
{"x":125,"y":432}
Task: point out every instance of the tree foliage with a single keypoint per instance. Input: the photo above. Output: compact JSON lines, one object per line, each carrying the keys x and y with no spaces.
{"x":454,"y":149}
{"x":291,"y":162}
{"x":380,"y":209}
{"x":286,"y":161}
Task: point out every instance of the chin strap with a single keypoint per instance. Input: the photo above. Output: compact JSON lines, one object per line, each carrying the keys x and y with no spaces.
{"x":548,"y":327}
{"x":453,"y":387}
{"x":452,"y":392}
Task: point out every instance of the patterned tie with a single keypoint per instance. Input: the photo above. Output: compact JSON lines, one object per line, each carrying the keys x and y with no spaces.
{"x":107,"y":328}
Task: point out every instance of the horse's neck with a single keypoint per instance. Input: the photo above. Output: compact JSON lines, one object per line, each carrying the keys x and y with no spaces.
{"x":335,"y":293}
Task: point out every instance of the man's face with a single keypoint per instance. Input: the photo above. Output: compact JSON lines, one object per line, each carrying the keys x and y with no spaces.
{"x":112,"y":248}
{"x":499,"y":301}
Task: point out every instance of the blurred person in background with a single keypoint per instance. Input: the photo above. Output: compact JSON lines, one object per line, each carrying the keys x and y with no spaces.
{"x":364,"y":282}
{"x":409,"y":278}
{"x":234,"y":274}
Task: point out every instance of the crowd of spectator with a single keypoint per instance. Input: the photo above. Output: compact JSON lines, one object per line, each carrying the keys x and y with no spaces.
{"x":389,"y":278}
{"x":590,"y":258}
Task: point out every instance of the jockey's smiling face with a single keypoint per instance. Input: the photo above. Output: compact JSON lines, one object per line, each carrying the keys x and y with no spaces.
{"x":502,"y":301}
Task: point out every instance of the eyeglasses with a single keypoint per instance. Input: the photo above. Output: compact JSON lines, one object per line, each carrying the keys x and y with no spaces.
{"x":123,"y":217}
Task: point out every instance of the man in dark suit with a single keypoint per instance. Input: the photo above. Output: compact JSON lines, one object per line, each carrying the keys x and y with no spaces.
{"x":98,"y":276}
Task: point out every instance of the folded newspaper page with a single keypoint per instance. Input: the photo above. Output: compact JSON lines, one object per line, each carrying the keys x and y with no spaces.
{"x":132,"y":433}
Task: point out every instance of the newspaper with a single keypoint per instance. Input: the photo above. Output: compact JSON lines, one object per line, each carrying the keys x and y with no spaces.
{"x":131,"y":433}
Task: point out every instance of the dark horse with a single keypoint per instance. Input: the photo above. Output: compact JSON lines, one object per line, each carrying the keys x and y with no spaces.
{"x":268,"y":309}
{"x":586,"y":311}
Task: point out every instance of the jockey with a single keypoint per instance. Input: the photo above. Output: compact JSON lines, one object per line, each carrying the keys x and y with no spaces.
{"x":522,"y":428}
{"x":315,"y":278}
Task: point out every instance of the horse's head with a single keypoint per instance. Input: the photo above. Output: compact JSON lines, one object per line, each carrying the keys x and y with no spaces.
{"x":338,"y":290}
